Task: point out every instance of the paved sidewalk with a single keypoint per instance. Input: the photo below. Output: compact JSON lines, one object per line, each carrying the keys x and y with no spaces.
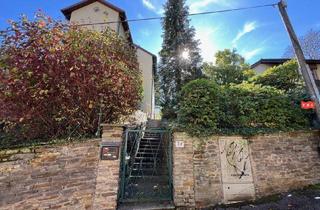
{"x":308,"y":199}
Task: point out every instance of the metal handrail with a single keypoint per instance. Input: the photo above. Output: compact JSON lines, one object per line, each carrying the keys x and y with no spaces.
{"x":127,"y":180}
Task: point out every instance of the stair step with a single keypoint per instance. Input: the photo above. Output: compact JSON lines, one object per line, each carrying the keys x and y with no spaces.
{"x":144,"y":169}
{"x":152,"y":178}
{"x":150,"y":138}
{"x":145,"y":158}
{"x":143,"y":163}
{"x":145,"y":153}
{"x":154,"y":151}
{"x":152,"y":142}
{"x":153,"y":135}
{"x":148,"y":145}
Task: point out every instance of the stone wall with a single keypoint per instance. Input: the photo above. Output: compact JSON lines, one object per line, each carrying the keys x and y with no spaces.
{"x":207,"y":170}
{"x":183,"y":172}
{"x":107,"y":185}
{"x":68,"y":176}
{"x":230,"y":169}
{"x":285,"y":161}
{"x":50,"y":177}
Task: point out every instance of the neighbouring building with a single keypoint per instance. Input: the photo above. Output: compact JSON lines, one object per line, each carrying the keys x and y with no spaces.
{"x":263,"y":64}
{"x":96,"y":12}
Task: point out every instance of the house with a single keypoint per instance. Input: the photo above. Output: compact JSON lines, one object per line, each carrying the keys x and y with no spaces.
{"x":263,"y":64}
{"x":93,"y":14}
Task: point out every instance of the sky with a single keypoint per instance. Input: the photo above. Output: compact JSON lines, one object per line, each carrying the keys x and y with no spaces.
{"x":257,"y":33}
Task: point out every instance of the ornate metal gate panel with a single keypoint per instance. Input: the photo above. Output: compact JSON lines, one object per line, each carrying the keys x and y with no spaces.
{"x":146,"y":173}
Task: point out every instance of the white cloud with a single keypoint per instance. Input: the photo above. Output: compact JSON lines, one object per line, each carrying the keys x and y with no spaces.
{"x":251,"y":53}
{"x":201,"y":5}
{"x":140,"y":16}
{"x":145,"y":32}
{"x":247,"y":28}
{"x":208,"y":46}
{"x":148,"y":4}
{"x":160,"y":11}
{"x":196,"y":6}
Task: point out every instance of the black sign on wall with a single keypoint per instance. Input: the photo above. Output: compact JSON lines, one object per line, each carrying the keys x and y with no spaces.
{"x":109,"y":150}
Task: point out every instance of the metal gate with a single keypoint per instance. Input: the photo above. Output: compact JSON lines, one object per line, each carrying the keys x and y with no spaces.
{"x":146,"y":170}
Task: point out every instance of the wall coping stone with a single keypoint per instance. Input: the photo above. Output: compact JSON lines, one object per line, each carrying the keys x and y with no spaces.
{"x":278,"y":134}
{"x":6,"y":154}
{"x":112,"y":125}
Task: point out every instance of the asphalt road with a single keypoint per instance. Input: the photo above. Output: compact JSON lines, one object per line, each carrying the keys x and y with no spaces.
{"x":308,"y":199}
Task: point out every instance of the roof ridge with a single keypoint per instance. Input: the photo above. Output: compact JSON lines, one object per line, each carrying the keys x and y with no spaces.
{"x":122,"y":14}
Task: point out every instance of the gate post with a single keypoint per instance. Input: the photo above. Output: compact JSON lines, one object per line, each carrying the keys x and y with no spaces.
{"x":107,"y":182}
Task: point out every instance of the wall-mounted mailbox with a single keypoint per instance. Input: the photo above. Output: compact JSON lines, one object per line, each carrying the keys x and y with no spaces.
{"x":110,"y":150}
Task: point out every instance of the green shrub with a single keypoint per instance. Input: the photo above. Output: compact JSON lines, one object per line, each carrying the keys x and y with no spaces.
{"x":248,"y":106}
{"x":285,"y":77}
{"x":244,"y":109}
{"x":199,"y":107}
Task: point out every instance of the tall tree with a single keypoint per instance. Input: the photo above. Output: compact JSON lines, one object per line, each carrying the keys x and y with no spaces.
{"x":229,"y":57}
{"x":310,"y":44}
{"x":180,"y":55}
{"x":230,"y":67}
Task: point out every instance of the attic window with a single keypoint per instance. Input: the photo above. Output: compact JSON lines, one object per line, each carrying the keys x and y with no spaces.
{"x":106,"y":13}
{"x":96,"y":9}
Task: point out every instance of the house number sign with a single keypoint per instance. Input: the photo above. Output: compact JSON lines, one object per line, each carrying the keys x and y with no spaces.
{"x":179,"y":144}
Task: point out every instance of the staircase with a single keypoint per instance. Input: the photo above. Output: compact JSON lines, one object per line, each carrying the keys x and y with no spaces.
{"x":147,"y":177}
{"x":148,"y":159}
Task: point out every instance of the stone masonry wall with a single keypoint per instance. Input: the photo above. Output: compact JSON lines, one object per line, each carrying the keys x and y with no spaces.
{"x":61,"y":177}
{"x":277,"y":163}
{"x":196,"y":172}
{"x":207,"y":173}
{"x":108,"y":172}
{"x":54,"y":177}
{"x":183,"y":172}
{"x":283,"y":162}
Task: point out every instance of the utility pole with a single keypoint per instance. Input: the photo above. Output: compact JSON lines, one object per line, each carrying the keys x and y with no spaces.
{"x":304,"y":68}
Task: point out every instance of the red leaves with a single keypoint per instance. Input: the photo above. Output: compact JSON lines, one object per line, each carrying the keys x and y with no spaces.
{"x":42,"y":24}
{"x":58,"y":79}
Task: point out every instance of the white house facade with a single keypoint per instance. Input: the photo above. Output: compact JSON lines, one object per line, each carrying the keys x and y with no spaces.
{"x":263,"y":64}
{"x":96,"y":12}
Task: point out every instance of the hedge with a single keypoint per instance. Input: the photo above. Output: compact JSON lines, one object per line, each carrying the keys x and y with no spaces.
{"x":199,"y":108}
{"x":245,"y":109}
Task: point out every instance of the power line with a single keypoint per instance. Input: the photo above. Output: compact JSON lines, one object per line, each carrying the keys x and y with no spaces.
{"x":162,"y":17}
{"x":191,"y":14}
